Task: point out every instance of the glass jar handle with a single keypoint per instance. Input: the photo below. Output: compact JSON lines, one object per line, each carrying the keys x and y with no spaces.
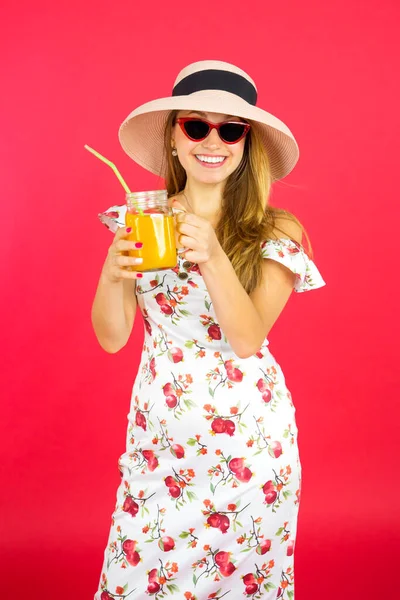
{"x":176,"y":211}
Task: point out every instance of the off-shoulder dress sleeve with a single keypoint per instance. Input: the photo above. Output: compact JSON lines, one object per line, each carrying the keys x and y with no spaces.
{"x":113,"y":217}
{"x":291,"y":254}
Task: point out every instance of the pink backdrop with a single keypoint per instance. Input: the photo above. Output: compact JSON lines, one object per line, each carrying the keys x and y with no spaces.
{"x":71,"y":72}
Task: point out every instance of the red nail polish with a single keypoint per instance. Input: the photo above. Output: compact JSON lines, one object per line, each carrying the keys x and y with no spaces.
{"x":138,"y":245}
{"x":129,"y":229}
{"x":139,"y":275}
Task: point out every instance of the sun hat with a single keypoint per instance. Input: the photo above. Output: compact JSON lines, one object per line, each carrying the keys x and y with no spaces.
{"x":208,"y":86}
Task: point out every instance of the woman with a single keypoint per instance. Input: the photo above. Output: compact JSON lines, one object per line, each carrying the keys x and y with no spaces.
{"x":209,"y":496}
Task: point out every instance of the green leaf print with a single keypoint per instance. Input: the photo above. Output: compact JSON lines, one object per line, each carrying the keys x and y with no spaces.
{"x":189,"y":403}
{"x":269,"y":586}
{"x":184,"y":535}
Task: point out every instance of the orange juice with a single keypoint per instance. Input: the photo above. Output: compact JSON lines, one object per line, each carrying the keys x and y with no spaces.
{"x":156,"y":232}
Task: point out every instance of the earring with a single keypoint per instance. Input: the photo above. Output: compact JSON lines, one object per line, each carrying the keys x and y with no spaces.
{"x":174,"y":152}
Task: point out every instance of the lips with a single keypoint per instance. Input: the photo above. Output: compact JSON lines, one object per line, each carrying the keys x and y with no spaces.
{"x":211,"y":165}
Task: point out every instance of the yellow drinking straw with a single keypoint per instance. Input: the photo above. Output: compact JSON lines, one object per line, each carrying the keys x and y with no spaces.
{"x":114,"y":168}
{"x":110,"y":164}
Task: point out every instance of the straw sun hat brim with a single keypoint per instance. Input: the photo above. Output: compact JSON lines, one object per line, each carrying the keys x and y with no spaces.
{"x":142,"y":133}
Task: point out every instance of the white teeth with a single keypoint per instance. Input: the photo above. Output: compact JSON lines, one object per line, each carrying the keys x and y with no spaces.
{"x":211,"y":159}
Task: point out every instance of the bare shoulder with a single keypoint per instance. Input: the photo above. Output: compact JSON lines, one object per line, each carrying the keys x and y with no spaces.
{"x":288,"y":228}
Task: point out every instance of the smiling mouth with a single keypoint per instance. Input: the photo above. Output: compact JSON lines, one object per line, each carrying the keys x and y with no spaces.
{"x":210,"y":161}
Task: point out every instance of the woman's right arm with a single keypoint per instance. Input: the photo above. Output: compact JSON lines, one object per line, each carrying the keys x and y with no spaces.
{"x":114,"y":305}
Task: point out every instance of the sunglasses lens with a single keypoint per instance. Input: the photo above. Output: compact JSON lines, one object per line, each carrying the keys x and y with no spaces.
{"x":232,"y":132}
{"x":197,"y":130}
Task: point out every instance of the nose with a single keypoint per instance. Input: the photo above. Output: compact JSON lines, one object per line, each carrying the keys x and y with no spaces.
{"x":212,"y":140}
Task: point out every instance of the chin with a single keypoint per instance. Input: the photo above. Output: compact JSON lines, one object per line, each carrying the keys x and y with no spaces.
{"x":211,"y":178}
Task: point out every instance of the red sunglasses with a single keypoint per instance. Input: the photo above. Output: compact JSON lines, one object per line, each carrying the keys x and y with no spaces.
{"x":197,"y":129}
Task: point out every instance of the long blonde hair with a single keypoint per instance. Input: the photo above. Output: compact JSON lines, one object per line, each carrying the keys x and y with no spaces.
{"x":246,"y":218}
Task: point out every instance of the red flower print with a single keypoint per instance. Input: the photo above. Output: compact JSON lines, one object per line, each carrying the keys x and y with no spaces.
{"x":177,"y":450}
{"x":233,"y":373}
{"x":175,"y":355}
{"x":130,"y":506}
{"x":218,"y":425}
{"x":166,"y":543}
{"x":131,"y":555}
{"x":222,"y":559}
{"x":141,"y":420}
{"x":151,"y":459}
{"x":275,"y":449}
{"x":214,"y":331}
{"x":152,"y":367}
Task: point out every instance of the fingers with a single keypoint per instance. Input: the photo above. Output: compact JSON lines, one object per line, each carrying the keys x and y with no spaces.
{"x":121,"y":260}
{"x":186,"y":229}
{"x":125,"y":245}
{"x":122,"y":243}
{"x":120,"y":265}
{"x":117,"y":272}
{"x":188,"y":218}
{"x":121,"y":233}
{"x":124,"y":267}
{"x":176,"y":205}
{"x":189,"y":242}
{"x":189,"y":236}
{"x":127,"y":274}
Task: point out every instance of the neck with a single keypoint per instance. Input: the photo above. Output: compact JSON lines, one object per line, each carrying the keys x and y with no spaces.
{"x":204,"y":200}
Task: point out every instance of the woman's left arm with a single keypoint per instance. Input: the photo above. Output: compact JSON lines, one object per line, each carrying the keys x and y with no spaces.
{"x":245,"y":319}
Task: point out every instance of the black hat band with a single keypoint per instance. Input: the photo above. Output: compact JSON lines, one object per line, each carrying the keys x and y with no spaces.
{"x":216,"y":79}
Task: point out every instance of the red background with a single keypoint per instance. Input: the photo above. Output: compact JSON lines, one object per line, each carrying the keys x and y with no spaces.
{"x":71,"y":72}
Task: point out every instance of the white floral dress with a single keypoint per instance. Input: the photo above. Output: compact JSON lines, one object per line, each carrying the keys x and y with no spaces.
{"x":210,"y":480}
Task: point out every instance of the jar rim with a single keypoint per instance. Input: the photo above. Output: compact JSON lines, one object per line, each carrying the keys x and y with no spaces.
{"x":149,"y":194}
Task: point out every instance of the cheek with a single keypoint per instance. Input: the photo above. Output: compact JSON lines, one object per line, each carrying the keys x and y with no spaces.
{"x":184,"y":147}
{"x":237,"y":153}
{"x":184,"y":157}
